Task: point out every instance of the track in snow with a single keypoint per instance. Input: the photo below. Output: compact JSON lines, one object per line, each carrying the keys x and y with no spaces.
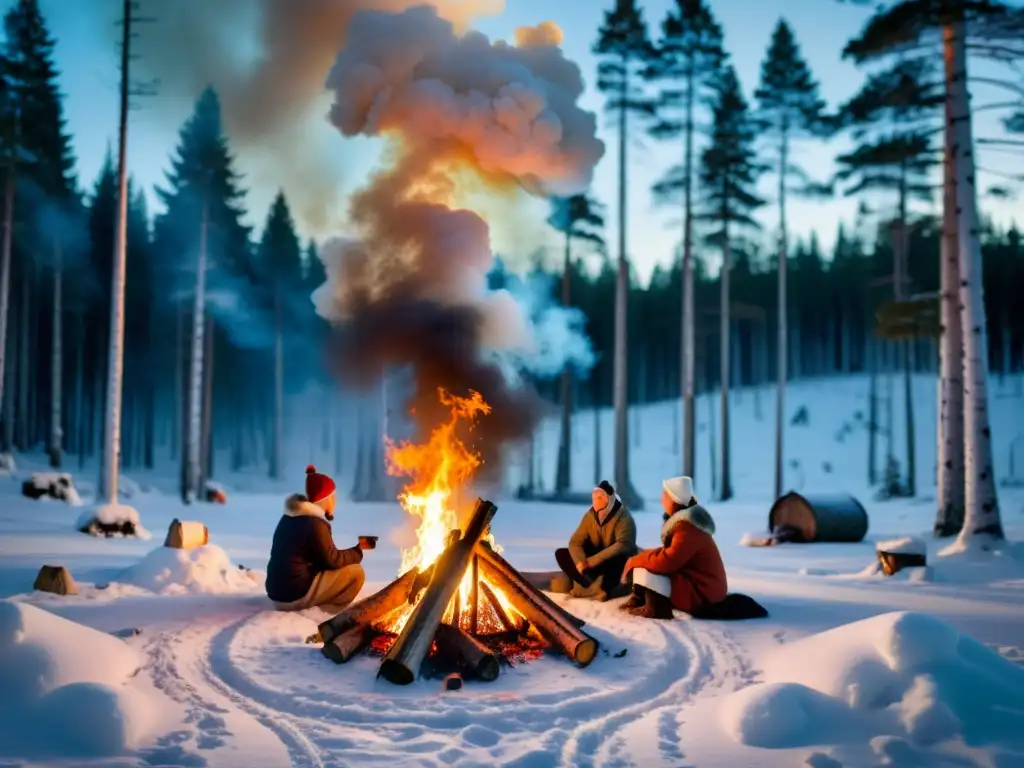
{"x":325,"y":715}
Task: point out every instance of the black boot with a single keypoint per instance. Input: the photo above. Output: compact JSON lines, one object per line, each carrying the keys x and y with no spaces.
{"x":635,"y":600}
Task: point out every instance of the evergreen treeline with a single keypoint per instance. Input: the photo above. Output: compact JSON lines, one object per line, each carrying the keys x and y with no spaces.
{"x":211,"y":355}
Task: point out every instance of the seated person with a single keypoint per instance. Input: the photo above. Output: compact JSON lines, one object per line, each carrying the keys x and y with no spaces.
{"x":686,"y":572}
{"x":598,"y":550}
{"x":306,"y":570}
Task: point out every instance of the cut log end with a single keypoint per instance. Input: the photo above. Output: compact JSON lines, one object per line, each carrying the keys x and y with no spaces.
{"x":346,"y":645}
{"x":395,"y":672}
{"x":585,"y":652}
{"x":488,"y":669}
{"x":55,"y":579}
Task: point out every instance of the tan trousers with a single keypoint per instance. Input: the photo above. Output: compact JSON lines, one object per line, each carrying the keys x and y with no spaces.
{"x":331,"y":591}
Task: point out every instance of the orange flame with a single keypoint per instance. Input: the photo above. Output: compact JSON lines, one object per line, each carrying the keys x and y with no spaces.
{"x":437,"y":469}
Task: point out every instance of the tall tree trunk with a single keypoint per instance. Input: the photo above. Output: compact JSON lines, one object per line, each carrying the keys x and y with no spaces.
{"x":872,"y":351}
{"x":563,"y":474}
{"x":688,"y":359}
{"x":725,"y":331}
{"x":981,"y":513}
{"x":56,"y":360}
{"x":206,"y":459}
{"x":24,"y":364}
{"x":11,"y":378}
{"x":783,"y":330}
{"x":597,"y":433}
{"x":277,"y":452}
{"x":620,"y":387}
{"x":5,"y":282}
{"x":901,"y":280}
{"x":179,"y":382}
{"x":80,"y":413}
{"x":195,"y":389}
{"x":949,"y":516}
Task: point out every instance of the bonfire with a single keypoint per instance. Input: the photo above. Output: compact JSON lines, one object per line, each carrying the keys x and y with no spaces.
{"x":457,"y":607}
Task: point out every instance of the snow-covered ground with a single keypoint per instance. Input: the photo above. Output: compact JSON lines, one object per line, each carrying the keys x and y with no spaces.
{"x":175,"y":658}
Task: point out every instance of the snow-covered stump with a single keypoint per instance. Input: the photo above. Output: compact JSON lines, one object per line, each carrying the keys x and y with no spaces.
{"x":58,"y":486}
{"x":55,"y":579}
{"x":214,"y":494}
{"x":896,"y":554}
{"x":186,"y":534}
{"x":111,"y":520}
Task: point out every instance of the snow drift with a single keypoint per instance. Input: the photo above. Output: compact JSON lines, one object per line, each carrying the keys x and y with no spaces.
{"x":63,"y":687}
{"x":903,"y":679}
{"x":204,"y":570}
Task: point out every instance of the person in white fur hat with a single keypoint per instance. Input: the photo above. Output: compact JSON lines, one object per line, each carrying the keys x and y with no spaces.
{"x":686,"y":572}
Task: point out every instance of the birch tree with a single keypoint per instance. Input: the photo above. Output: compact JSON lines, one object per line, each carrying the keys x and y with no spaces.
{"x":789,"y":107}
{"x":957,"y":28}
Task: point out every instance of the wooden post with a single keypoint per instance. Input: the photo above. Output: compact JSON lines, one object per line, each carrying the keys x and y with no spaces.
{"x":477,"y":660}
{"x":372,"y":608}
{"x":557,"y":626}
{"x":403,"y":660}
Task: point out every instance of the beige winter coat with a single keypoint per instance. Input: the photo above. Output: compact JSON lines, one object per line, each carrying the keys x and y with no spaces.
{"x":615,"y":537}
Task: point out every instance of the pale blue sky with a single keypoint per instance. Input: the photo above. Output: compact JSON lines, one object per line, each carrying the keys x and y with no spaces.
{"x":87,"y":59}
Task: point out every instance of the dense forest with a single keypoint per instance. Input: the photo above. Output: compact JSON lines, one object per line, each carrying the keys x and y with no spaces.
{"x":221,"y":333}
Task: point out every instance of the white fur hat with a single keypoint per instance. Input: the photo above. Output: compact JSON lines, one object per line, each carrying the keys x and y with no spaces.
{"x":679,"y":489}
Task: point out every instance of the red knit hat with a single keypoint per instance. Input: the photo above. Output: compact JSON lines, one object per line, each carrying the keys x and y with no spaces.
{"x":318,"y":487}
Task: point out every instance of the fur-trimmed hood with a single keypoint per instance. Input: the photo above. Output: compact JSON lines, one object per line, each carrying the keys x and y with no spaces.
{"x":298,"y":505}
{"x":696,"y":516}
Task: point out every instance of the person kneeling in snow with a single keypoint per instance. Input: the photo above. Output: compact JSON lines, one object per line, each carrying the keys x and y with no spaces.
{"x":686,"y":572}
{"x":306,"y":570}
{"x":592,"y":564}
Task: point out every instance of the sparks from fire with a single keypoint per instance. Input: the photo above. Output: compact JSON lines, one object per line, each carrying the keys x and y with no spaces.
{"x":438,"y":471}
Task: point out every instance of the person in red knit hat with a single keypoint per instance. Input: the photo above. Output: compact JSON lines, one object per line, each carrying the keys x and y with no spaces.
{"x":306,"y":570}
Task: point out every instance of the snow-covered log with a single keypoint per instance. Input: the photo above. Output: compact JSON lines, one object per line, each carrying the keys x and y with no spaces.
{"x":51,"y":485}
{"x":111,"y":520}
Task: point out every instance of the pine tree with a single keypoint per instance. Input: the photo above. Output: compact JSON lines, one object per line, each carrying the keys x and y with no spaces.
{"x":45,"y":156}
{"x":892,"y":120}
{"x":281,"y":262}
{"x":989,"y":28}
{"x":579,"y":217}
{"x":729,"y":174}
{"x":625,"y":52}
{"x":789,"y":107}
{"x":689,"y":57}
{"x":37,"y":150}
{"x":203,"y":216}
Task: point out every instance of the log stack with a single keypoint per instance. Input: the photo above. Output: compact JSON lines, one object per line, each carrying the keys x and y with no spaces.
{"x":457,"y":640}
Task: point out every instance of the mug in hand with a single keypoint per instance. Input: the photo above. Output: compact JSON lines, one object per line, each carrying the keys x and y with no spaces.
{"x":368,"y":542}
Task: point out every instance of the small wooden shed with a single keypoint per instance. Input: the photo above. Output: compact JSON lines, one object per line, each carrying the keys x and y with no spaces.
{"x":820,"y":517}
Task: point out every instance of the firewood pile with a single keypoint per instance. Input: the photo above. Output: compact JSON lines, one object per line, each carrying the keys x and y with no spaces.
{"x":419,"y":625}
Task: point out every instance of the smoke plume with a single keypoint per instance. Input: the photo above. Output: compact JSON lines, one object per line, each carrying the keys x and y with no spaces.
{"x":463,"y":114}
{"x":271,"y":90}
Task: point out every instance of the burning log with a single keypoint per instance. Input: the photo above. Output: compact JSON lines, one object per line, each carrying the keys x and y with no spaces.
{"x":553,"y":622}
{"x":476,"y":658}
{"x":474,"y":596}
{"x":403,"y":660}
{"x":346,"y":645}
{"x":372,"y":608}
{"x":499,"y":611}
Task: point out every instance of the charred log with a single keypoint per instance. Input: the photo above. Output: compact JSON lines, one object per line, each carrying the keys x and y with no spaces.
{"x":373,"y":608}
{"x":403,"y":660}
{"x":474,"y":658}
{"x":557,"y":626}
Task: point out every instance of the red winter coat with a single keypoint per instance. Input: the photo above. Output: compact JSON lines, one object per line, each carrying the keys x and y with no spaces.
{"x":689,"y":557}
